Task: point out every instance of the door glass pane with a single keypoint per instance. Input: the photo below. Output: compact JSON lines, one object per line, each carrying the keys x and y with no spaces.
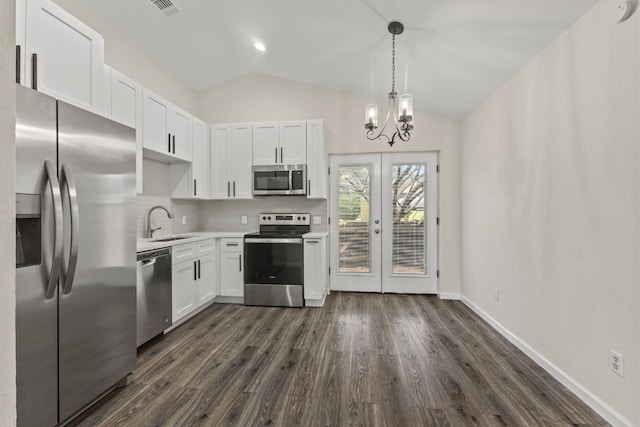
{"x":353,"y":207}
{"x":408,"y":219}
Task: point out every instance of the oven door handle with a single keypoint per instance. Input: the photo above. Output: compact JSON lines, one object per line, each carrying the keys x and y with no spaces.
{"x":292,"y":240}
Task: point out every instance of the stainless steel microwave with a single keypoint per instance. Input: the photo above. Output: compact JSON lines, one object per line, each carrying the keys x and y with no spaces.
{"x":279,"y":180}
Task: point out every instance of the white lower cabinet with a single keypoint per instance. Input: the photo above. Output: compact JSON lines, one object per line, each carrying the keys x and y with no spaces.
{"x":193,"y":279}
{"x":315,"y":268}
{"x":231,"y":268}
{"x":183,"y":289}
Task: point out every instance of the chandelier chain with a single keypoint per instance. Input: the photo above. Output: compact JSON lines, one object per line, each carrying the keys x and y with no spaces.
{"x":393,"y":63}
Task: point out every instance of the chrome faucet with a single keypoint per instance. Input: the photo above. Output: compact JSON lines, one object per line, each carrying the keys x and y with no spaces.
{"x":149,"y":233}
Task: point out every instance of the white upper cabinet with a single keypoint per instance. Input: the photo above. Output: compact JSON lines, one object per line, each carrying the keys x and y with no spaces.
{"x":166,"y":129}
{"x":266,"y":143}
{"x":280,"y":143}
{"x":60,"y":55}
{"x":191,"y":180}
{"x":231,"y":161}
{"x":317,"y":162}
{"x":124,"y":105}
{"x":293,"y":143}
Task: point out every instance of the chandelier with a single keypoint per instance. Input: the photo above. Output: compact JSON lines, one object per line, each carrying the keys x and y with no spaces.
{"x":400,"y":108}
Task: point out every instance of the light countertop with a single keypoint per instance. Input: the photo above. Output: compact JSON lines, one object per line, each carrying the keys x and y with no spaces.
{"x":149,"y":244}
{"x":315,"y":235}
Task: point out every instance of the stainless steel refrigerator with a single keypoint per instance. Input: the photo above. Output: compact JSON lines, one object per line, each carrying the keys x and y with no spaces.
{"x":75,"y":257}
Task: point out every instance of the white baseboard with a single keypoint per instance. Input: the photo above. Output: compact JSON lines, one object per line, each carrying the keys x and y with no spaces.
{"x":315,"y":302}
{"x":229,"y":300}
{"x":448,"y":296}
{"x":604,"y":410}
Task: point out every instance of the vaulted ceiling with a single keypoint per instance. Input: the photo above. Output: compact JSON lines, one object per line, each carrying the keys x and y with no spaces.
{"x":451,"y":56}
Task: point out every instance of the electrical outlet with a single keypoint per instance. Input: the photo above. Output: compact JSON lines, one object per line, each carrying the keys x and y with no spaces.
{"x":184,"y":220}
{"x":496,"y":294}
{"x":616,"y":362}
{"x":244,"y":219}
{"x":317,"y":219}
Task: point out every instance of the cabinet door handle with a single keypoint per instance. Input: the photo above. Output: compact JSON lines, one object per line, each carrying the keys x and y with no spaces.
{"x":169,"y":141}
{"x":195,"y":271}
{"x":308,"y":187}
{"x":34,"y":71}
{"x":281,"y":156}
{"x":228,"y":188}
{"x":18,"y":49}
{"x":195,"y":184}
{"x":232,"y":244}
{"x":199,"y":269}
{"x":240,"y":262}
{"x":174,"y":144}
{"x":234,"y":189}
{"x":276,"y":150}
{"x":311,"y":242}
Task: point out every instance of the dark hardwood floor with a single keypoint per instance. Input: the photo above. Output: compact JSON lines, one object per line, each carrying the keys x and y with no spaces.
{"x":362,"y":360}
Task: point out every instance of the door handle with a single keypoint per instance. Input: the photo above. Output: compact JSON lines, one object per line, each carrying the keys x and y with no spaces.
{"x":66,"y":179}
{"x":281,"y":156}
{"x":308,"y":187}
{"x":228,"y":188}
{"x":234,"y":189}
{"x":18,"y":59}
{"x":174,"y":144}
{"x":276,"y":150}
{"x":195,"y":183}
{"x":57,"y":236}
{"x":169,"y":142}
{"x":34,"y":71}
{"x":199,"y":269}
{"x":240,"y":262}
{"x":195,"y":271}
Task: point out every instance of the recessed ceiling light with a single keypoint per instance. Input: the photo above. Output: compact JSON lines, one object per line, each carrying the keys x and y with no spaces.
{"x":260,"y":46}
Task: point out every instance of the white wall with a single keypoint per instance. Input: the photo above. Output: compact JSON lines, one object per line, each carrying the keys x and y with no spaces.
{"x":7,"y":215}
{"x":257,"y":97}
{"x":551,"y":207}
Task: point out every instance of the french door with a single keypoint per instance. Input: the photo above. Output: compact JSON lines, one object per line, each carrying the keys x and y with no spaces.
{"x":384,"y":223}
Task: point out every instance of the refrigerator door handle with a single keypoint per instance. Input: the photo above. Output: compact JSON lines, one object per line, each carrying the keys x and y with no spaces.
{"x":66,"y":178}
{"x":57,"y":236}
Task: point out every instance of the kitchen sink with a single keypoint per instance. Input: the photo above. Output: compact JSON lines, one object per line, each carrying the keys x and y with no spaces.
{"x":170,"y":239}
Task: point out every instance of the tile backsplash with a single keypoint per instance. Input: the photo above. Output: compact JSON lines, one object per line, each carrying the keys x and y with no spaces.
{"x":211,"y":215}
{"x":159,"y":218}
{"x":225,"y":215}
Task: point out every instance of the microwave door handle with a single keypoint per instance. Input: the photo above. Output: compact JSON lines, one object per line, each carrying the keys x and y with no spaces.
{"x":57,"y":236}
{"x":66,"y":177}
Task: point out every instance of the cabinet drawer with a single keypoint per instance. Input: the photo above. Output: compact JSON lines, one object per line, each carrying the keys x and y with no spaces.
{"x":184,"y":252}
{"x":206,"y":247}
{"x":228,"y":244}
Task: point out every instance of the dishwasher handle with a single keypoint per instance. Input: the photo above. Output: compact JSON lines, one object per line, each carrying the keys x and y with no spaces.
{"x":149,"y":257}
{"x":149,"y":261}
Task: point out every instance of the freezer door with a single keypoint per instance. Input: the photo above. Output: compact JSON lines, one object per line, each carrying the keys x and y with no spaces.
{"x":97,"y":309}
{"x":36,"y":315}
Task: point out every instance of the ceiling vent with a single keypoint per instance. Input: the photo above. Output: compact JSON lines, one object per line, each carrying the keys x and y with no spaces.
{"x":166,"y":7}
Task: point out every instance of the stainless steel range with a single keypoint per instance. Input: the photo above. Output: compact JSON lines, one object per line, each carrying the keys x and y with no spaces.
{"x":273,"y":262}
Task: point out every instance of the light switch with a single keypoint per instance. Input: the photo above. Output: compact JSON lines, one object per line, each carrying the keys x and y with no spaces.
{"x":244,"y":219}
{"x":317,"y":219}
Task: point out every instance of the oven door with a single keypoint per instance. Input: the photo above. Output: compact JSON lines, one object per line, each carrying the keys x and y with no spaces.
{"x":276,"y":261}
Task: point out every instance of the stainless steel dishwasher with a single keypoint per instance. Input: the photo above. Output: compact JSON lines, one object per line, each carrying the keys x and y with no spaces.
{"x":154,"y":293}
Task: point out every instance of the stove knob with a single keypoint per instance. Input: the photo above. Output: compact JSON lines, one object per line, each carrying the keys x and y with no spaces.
{"x":298,"y":218}
{"x":264,"y":217}
{"x":269,"y":218}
